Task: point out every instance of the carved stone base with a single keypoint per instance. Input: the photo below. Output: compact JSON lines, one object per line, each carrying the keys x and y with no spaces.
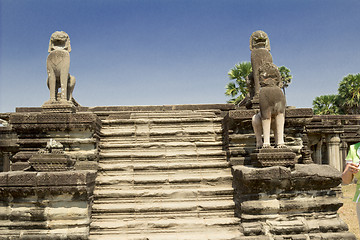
{"x":50,"y":162}
{"x":59,"y":107}
{"x":267,"y":157}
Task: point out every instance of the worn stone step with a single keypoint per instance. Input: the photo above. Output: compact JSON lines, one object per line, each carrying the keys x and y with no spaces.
{"x":163,"y":193}
{"x":161,"y":165}
{"x":163,"y":225}
{"x":163,"y":203}
{"x":179,"y":206}
{"x":146,"y":216}
{"x":163,"y":198}
{"x":160,"y":132}
{"x":167,"y":173}
{"x":191,"y":234}
{"x":161,"y":154}
{"x":163,"y":120}
{"x":160,"y":129}
{"x":223,"y":182}
{"x":134,"y":139}
{"x":106,"y":144}
{"x":176,"y":177}
{"x":125,"y":163}
{"x":174,"y":114}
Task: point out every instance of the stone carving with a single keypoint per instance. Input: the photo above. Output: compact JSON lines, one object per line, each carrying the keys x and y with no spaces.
{"x":53,"y":147}
{"x":58,"y":64}
{"x":260,"y":54}
{"x":52,"y":158}
{"x":267,"y":157}
{"x":272,"y":108}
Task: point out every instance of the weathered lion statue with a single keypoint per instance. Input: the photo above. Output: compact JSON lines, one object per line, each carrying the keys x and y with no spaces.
{"x":260,"y":54}
{"x":272,"y":107}
{"x":58,"y":64}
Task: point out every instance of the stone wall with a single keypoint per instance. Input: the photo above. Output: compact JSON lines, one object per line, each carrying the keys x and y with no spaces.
{"x":77,"y":132}
{"x":46,"y":205}
{"x":283,"y":203}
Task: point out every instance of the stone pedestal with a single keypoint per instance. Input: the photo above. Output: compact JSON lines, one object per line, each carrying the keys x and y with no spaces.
{"x":59,"y":107}
{"x":280,"y":203}
{"x":242,"y":141}
{"x":267,"y":157}
{"x":47,"y":205}
{"x":77,"y":132}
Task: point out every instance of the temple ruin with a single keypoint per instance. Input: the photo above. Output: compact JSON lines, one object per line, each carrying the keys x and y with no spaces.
{"x":168,"y":172}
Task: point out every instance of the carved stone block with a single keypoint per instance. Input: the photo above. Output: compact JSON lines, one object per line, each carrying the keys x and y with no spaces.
{"x":59,"y":107}
{"x":50,"y":162}
{"x":267,"y":157}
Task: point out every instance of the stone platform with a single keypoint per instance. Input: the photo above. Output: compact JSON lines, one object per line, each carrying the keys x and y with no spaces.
{"x":46,"y":205}
{"x":165,"y":172}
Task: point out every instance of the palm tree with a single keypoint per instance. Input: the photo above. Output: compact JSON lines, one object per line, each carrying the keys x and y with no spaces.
{"x":326,"y":104}
{"x":285,"y":77}
{"x":240,"y":74}
{"x":349,"y":92}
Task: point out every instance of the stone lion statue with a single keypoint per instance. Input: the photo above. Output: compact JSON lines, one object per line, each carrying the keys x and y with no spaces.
{"x":272,"y":107}
{"x":260,"y":54}
{"x":58,"y":64}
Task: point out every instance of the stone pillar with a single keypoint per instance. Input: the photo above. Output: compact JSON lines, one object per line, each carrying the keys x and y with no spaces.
{"x":333,"y":151}
{"x":318,"y":154}
{"x":343,"y":154}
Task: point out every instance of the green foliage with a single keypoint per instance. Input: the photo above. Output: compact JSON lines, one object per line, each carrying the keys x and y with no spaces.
{"x":285,"y":77}
{"x":349,"y":93}
{"x":347,"y":101}
{"x":238,"y":89}
{"x":326,"y":104}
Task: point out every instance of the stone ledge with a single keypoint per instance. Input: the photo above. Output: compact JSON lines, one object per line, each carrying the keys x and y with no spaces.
{"x":275,"y":179}
{"x":219,"y":106}
{"x":289,"y":113}
{"x":48,"y":179}
{"x":54,"y":121}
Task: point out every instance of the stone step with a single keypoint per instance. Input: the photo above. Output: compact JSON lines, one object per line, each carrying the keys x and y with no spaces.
{"x":209,"y":233}
{"x":182,"y":205}
{"x":175,"y":114}
{"x":185,"y":160}
{"x":106,"y":144}
{"x":160,"y":177}
{"x":162,"y":120}
{"x":156,"y":133}
{"x":115,"y":154}
{"x":146,"y":216}
{"x":163,"y":201}
{"x":103,"y":193}
{"x":135,"y":139}
{"x":163,"y":225}
{"x":161,"y":165}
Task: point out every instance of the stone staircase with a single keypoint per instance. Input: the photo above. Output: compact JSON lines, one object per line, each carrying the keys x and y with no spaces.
{"x":163,"y":175}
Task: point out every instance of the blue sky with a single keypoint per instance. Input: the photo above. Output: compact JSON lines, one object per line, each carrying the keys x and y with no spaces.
{"x":156,"y":52}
